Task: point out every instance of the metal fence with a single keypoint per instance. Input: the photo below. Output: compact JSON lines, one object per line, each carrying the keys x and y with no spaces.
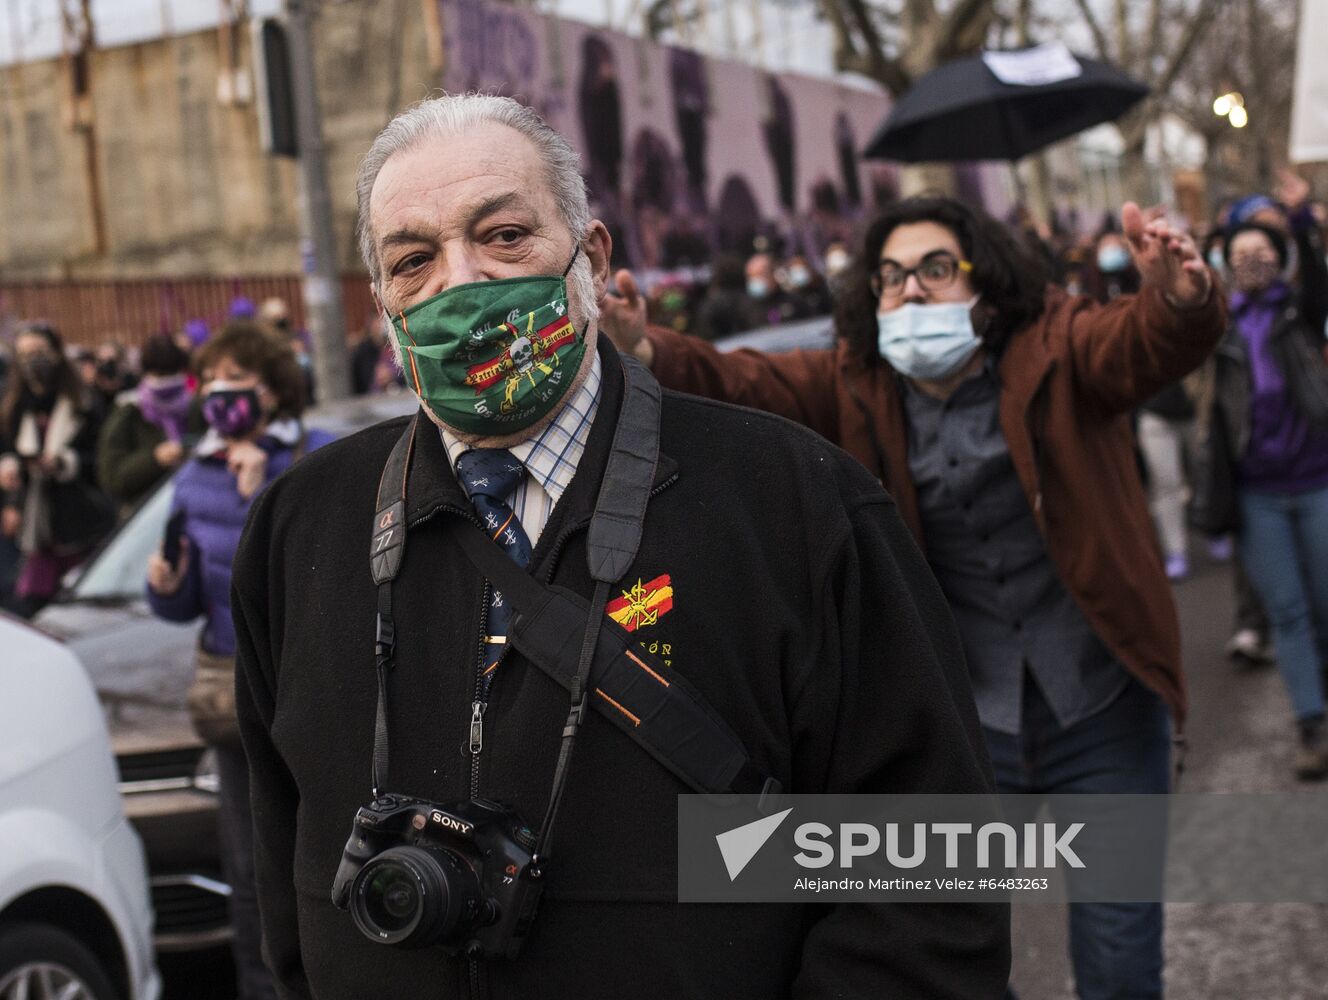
{"x":93,"y":312}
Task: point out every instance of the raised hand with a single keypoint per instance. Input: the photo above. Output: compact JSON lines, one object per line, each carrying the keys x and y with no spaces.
{"x":163,"y":578}
{"x":1166,"y":257}
{"x":247,"y":462}
{"x":1292,"y":190}
{"x":622,"y":318}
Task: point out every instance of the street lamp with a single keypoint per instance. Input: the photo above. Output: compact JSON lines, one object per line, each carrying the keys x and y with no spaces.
{"x":1231,"y":106}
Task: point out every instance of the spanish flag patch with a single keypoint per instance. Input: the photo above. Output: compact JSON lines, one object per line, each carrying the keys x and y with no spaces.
{"x":643,"y":604}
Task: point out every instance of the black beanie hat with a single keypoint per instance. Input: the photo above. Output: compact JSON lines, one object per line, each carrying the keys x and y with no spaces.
{"x":1275,"y":237}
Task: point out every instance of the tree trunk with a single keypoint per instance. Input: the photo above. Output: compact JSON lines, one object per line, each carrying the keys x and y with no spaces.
{"x":1135,"y":179}
{"x":927,"y":178}
{"x":1215,"y":179}
{"x":1040,"y":201}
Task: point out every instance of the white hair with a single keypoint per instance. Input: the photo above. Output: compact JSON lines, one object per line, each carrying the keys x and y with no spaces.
{"x":451,"y":114}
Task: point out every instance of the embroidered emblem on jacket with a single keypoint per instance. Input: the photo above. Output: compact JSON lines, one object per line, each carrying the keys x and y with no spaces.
{"x":643,"y":604}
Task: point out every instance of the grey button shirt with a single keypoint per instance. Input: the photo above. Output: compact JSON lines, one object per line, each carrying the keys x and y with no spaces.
{"x":1014,"y":614}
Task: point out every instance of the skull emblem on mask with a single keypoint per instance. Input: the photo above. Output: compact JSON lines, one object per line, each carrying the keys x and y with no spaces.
{"x":522,"y":354}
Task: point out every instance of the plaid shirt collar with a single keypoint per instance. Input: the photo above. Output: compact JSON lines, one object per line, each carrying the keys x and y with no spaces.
{"x":552,"y":457}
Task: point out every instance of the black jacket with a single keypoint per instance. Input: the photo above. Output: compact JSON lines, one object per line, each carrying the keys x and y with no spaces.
{"x":127,"y":469}
{"x":1298,"y":351}
{"x":802,"y":610}
{"x":80,"y":513}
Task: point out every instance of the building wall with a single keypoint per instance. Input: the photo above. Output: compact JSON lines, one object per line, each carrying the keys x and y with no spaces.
{"x":186,"y":189}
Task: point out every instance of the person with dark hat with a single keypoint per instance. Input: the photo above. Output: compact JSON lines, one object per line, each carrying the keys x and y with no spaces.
{"x":1269,"y":415}
{"x":147,"y":434}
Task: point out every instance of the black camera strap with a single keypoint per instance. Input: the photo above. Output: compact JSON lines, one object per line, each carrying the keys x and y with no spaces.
{"x":385,"y":555}
{"x":571,"y":640}
{"x":669,"y":718}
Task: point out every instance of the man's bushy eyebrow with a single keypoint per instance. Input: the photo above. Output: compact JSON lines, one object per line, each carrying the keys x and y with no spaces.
{"x":405,"y":235}
{"x":485,"y":207}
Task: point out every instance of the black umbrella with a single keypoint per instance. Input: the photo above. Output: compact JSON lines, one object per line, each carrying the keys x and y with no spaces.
{"x":1002,"y":106}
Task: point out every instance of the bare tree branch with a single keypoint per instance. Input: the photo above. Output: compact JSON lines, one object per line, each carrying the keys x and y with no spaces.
{"x":861,"y":33}
{"x":1198,"y":24}
{"x":1198,"y":117}
{"x":846,"y":52}
{"x":663,"y":15}
{"x":1095,"y":29}
{"x":1153,"y":38}
{"x":1124,"y":51}
{"x":885,"y":70}
{"x":919,"y":11}
{"x":966,"y":18}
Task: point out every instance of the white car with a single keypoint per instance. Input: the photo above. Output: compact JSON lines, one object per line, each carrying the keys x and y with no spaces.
{"x":75,"y":916}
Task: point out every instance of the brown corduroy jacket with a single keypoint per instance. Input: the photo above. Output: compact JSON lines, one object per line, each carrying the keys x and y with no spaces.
{"x":1068,"y":384}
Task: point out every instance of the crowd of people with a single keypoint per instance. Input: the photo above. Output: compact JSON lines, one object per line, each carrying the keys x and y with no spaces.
{"x":131,"y":412}
{"x":1051,"y":418}
{"x":735,"y":295}
{"x":1236,"y":453}
{"x":1207,"y":472}
{"x":86,"y":432}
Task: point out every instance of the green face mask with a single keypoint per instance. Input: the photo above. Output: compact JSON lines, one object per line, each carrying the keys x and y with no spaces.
{"x":492,"y":357}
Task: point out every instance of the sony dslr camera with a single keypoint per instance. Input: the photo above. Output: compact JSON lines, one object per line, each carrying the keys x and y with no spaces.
{"x":415,"y":874}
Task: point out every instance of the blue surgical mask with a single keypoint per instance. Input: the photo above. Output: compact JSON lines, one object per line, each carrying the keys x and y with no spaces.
{"x":1113,"y":258}
{"x":757,"y":288}
{"x":928,"y":341}
{"x":1215,"y":259}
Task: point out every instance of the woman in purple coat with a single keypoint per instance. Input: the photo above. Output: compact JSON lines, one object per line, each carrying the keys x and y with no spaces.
{"x":253,"y":393}
{"x":1272,"y":395}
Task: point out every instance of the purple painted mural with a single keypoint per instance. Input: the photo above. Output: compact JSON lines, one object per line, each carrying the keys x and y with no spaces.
{"x":684,"y":156}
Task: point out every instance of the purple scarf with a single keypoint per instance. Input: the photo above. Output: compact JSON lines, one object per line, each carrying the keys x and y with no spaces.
{"x":1285,"y":454}
{"x":166,"y":405}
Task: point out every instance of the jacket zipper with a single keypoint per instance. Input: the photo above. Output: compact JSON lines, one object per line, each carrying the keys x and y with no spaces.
{"x":480,"y":704}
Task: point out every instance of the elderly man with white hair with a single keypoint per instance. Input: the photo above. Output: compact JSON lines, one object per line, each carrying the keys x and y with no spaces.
{"x":560,"y":592}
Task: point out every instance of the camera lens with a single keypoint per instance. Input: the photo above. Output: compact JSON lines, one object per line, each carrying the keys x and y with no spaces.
{"x":414,"y":896}
{"x":392,"y":898}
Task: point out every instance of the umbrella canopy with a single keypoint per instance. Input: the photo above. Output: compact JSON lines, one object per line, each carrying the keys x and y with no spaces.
{"x":1002,"y":106}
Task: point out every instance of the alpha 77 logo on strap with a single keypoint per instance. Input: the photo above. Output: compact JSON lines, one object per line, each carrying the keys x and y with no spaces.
{"x":643,"y":603}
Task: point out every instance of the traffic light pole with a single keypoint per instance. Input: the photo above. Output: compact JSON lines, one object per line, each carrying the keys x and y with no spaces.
{"x":318,"y":243}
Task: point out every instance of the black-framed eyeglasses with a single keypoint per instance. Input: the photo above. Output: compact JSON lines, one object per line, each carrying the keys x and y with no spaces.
{"x":937,"y":271}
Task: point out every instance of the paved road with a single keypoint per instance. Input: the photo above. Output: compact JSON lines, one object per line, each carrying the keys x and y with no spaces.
{"x":1241,"y":740}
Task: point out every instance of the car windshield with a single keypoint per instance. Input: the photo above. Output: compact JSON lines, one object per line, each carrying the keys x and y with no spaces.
{"x":119,"y":570}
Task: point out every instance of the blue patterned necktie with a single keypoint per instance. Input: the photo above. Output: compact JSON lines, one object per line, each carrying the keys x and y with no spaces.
{"x":489,"y":477}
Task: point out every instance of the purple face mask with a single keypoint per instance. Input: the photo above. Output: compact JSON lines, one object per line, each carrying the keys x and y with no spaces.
{"x":165,"y":402}
{"x":232,"y":413}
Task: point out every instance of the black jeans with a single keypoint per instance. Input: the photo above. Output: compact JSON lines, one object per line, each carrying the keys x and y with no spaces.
{"x":236,"y":826}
